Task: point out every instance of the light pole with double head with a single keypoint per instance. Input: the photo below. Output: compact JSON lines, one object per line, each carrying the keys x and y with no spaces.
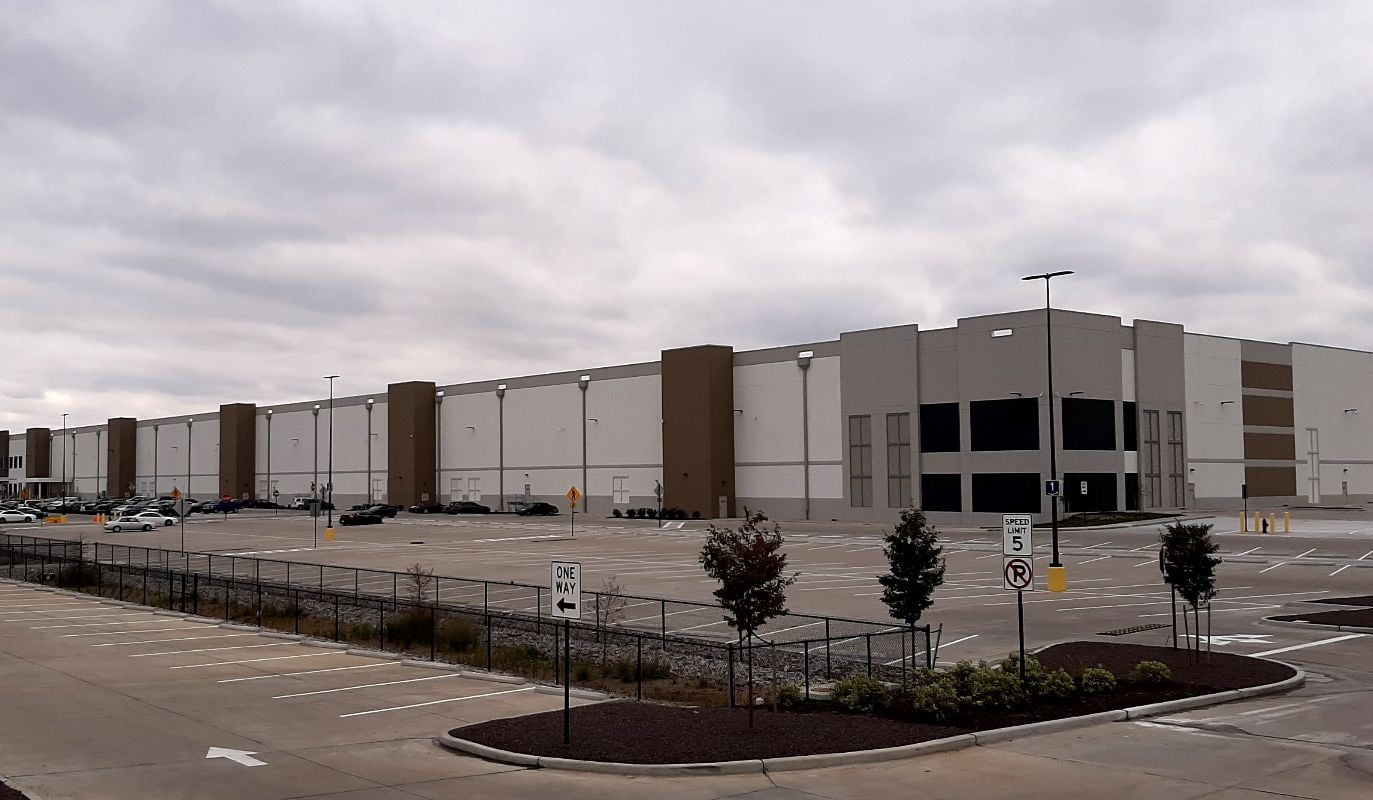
{"x":370,"y":402}
{"x":64,"y":460}
{"x":1058,"y":574}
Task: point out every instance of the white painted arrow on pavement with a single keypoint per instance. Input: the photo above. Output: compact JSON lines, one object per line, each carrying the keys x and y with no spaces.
{"x":244,"y":757}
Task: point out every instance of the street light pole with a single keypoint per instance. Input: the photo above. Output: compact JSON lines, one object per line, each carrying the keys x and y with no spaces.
{"x":314,"y":483}
{"x":1058,"y":574}
{"x":270,"y":496}
{"x":583,"y":382}
{"x":64,"y":459}
{"x":98,"y":451}
{"x":329,"y":487}
{"x":369,"y":451}
{"x":189,"y":422}
{"x":155,"y":430}
{"x":500,"y":442}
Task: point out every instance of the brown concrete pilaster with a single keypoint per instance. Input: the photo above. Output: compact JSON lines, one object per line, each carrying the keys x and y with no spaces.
{"x":38,"y":453}
{"x":121,"y":443}
{"x":237,"y":450}
{"x":698,"y":429}
{"x":410,"y":442}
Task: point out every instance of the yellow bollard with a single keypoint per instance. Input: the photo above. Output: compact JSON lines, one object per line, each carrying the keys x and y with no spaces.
{"x":1287,"y":522}
{"x":328,"y":534}
{"x":1244,"y":523}
{"x":1258,"y":528}
{"x":1272,"y":522}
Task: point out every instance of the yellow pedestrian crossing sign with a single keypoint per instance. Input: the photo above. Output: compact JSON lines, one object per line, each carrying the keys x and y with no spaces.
{"x":573,"y":495}
{"x":176,"y":493}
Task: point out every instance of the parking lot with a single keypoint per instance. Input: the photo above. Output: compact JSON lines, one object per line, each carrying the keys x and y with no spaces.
{"x":1114,"y":583}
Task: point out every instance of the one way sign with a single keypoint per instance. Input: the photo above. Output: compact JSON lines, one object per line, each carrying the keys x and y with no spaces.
{"x":566,"y":585}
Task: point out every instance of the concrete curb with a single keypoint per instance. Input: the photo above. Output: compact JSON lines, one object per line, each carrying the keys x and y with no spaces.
{"x":1317,"y":625}
{"x":442,"y":666}
{"x":584,"y":694}
{"x":821,"y":760}
{"x":353,"y":651}
{"x":490,"y":676}
{"x":325,"y":644}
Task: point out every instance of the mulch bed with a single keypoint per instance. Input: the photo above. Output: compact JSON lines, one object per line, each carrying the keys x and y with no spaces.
{"x":651,"y":733}
{"x":1352,"y":617}
{"x":1363,"y":600}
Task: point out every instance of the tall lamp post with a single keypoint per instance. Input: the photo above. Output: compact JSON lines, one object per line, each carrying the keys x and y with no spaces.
{"x":584,"y":382}
{"x":500,"y":442}
{"x":329,"y":486}
{"x":438,"y":447}
{"x":189,"y":422}
{"x":64,"y":459}
{"x":270,"y":496}
{"x":1058,"y":574}
{"x":370,"y":402}
{"x":155,"y":430}
{"x":98,"y":452}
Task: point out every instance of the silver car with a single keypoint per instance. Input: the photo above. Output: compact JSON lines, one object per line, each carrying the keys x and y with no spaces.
{"x":129,"y":523}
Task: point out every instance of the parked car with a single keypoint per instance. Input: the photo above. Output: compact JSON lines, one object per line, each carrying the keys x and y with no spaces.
{"x":466,"y":507}
{"x":36,"y":512}
{"x":203,"y":507}
{"x":382,"y":510}
{"x":425,"y":508}
{"x":359,"y":518}
{"x":156,"y":518}
{"x":260,"y":502}
{"x":119,"y":524}
{"x":227,"y":507}
{"x":12,"y":515}
{"x":538,"y":510}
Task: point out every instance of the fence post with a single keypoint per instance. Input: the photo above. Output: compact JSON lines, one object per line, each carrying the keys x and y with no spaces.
{"x":433,"y":633}
{"x":121,"y":582}
{"x":381,"y":623}
{"x":295,"y":609}
{"x":829,"y":670}
{"x":805,"y":665}
{"x":288,"y":573}
{"x":868,"y":637}
{"x":145,"y":585}
{"x":663,"y":619}
{"x":195,"y":596}
{"x":395,"y":586}
{"x":557,"y":673}
{"x":259,"y":603}
{"x":639,"y":667}
{"x":488,"y":640}
{"x":598,"y":616}
{"x":228,"y":598}
{"x":355,"y":580}
{"x":486,"y":606}
{"x":538,"y":610}
{"x":336,"y":618}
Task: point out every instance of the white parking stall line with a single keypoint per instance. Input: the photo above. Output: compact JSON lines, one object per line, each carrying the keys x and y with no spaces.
{"x":27,"y":606}
{"x":365,"y":686}
{"x":1341,"y":569}
{"x":127,"y":632}
{"x":697,"y":627}
{"x":92,"y":624}
{"x":255,"y":660}
{"x":1248,"y":607}
{"x":1275,"y":566}
{"x":941,"y":647}
{"x":657,"y":616}
{"x":794,"y":628}
{"x":210,"y":649}
{"x":1217,"y":600}
{"x":82,"y":616}
{"x":856,"y":638}
{"x":1101,"y":544}
{"x":1250,"y":550}
{"x":1310,"y":644}
{"x":866,"y":584}
{"x":1145,"y":547}
{"x":435,"y":702}
{"x":1144,"y":563}
{"x":1307,"y":553}
{"x":989,"y":555}
{"x":286,"y":674}
{"x":1090,"y":560}
{"x":181,"y":639}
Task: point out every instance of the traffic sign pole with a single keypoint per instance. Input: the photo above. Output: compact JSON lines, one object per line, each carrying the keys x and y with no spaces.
{"x":573,"y":495}
{"x":567,"y":681}
{"x":565,"y":603}
{"x":1018,"y":569}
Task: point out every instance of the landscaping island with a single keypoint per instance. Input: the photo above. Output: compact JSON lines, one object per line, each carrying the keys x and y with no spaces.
{"x":1345,"y":618}
{"x":653,"y":733}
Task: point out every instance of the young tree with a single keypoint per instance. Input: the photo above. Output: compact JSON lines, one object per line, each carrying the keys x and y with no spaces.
{"x":916,"y":562}
{"x":1189,"y":566}
{"x":419,"y":579}
{"x":610,"y":609}
{"x":749,"y":564}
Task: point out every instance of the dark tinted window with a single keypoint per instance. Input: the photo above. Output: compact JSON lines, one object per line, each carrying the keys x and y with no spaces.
{"x":1007,"y":492}
{"x":1100,"y":494}
{"x":1131,"y":425}
{"x":939,"y":428}
{"x":1132,"y":491}
{"x":1088,"y":424}
{"x":941,"y":492}
{"x":1004,"y":424}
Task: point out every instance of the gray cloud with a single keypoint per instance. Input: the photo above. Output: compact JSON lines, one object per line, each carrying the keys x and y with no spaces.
{"x":208,"y":202}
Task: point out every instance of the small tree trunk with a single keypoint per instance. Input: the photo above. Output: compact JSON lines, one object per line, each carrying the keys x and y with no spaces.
{"x":750,"y":679}
{"x":1187,"y":634}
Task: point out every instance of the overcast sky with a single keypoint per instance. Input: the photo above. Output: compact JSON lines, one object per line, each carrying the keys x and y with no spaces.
{"x":206,"y":202}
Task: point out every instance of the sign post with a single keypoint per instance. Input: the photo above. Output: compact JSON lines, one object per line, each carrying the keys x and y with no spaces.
{"x":565,"y":603}
{"x":573,"y":495}
{"x":658,"y":492}
{"x":1018,"y":568}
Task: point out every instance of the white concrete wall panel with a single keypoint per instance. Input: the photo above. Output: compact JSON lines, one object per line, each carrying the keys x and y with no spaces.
{"x":768,"y":481}
{"x":1326,"y":382}
{"x":769,"y":428}
{"x":825,"y":414}
{"x":471,"y":432}
{"x":293,"y":441}
{"x":543,"y":428}
{"x":1214,"y":419}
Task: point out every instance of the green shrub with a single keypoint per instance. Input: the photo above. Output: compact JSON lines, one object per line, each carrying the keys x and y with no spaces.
{"x":615,"y":512}
{"x":962,"y":676}
{"x":789,"y":695}
{"x":581,"y":671}
{"x":623,"y":669}
{"x":459,"y":635}
{"x":936,"y":700}
{"x":406,"y":629}
{"x":1151,"y":672}
{"x":1097,"y":680}
{"x":995,"y":689}
{"x":1056,"y":685}
{"x":860,"y":693}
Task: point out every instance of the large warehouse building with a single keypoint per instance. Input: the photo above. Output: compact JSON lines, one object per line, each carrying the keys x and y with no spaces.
{"x":953,"y":420}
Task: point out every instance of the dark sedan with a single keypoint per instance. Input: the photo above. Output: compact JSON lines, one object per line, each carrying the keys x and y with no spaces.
{"x":360,"y":518}
{"x":466,"y":507}
{"x":425,"y":508}
{"x":382,"y":510}
{"x":538,"y":510}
